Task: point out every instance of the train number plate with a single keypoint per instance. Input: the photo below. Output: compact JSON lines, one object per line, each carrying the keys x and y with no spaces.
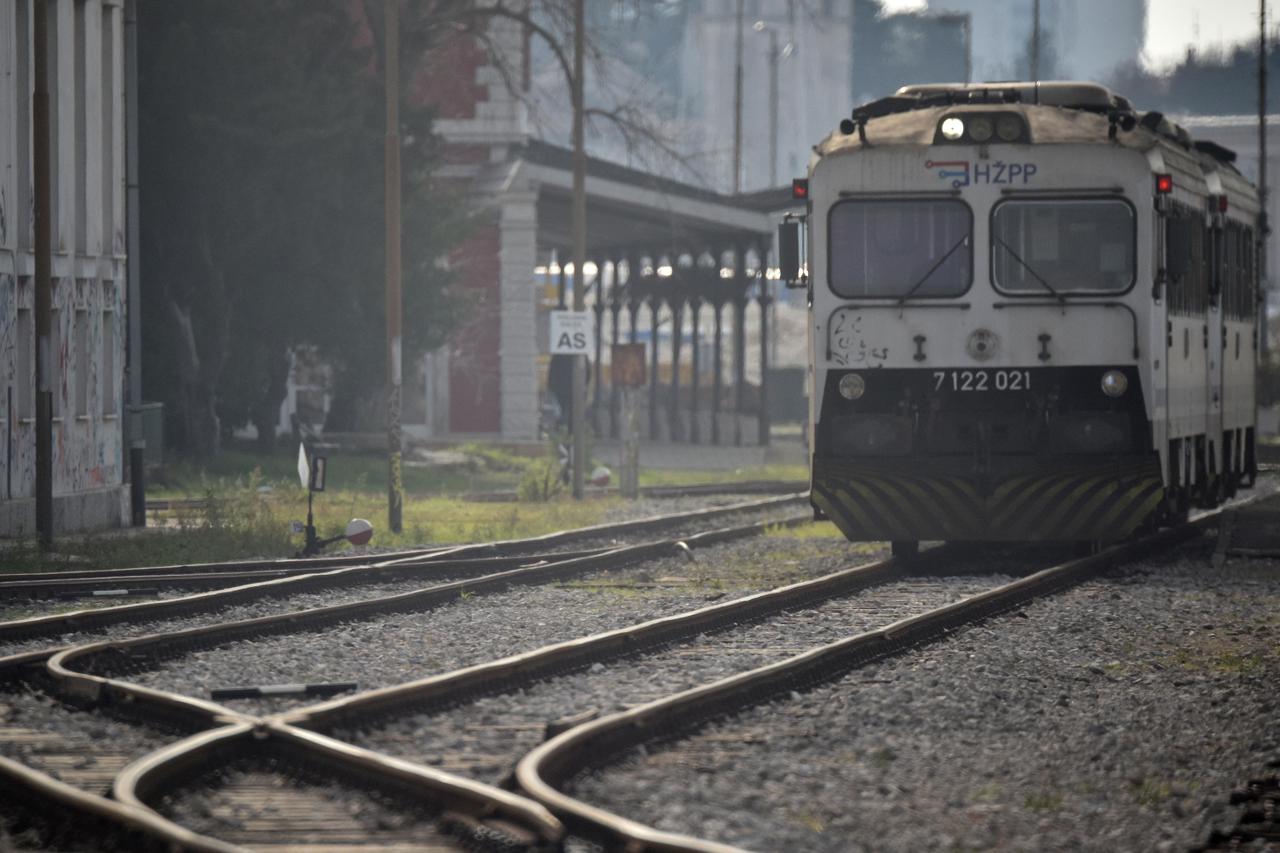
{"x":982,"y":380}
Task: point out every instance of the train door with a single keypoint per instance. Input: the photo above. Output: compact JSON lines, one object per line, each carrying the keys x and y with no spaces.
{"x":1214,"y":352}
{"x":1186,"y":295}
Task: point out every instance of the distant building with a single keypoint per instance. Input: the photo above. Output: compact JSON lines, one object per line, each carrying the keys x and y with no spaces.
{"x":890,"y":51}
{"x":813,"y":84}
{"x":1082,"y":39}
{"x":86,"y":103}
{"x":1240,"y":134}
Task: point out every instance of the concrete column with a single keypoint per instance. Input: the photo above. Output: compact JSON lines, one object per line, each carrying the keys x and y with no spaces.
{"x":518,"y":347}
{"x":764,"y":300}
{"x":695,"y":312}
{"x":595,"y":376}
{"x":615,"y":308}
{"x":655,"y":305}
{"x":676,"y":306}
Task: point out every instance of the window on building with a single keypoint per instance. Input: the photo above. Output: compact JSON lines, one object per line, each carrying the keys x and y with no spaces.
{"x":106,"y":382}
{"x":83,"y":362}
{"x":24,"y":346}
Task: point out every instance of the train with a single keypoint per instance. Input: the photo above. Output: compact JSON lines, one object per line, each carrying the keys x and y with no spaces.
{"x":1033,"y":315}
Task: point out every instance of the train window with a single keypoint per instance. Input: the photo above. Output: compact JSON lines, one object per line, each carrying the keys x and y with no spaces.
{"x":1237,"y":295}
{"x":1056,"y":246}
{"x":894,"y":249}
{"x":1188,"y":261}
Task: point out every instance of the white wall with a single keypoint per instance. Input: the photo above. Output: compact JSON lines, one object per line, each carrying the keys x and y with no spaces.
{"x":86,"y":82}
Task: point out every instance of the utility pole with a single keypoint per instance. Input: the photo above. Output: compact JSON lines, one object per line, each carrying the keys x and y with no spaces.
{"x":133,"y":356}
{"x":737,"y":104}
{"x":1264,"y":225}
{"x":395,"y":485}
{"x":1035,"y":40}
{"x":773,"y":104}
{"x":42,"y":209}
{"x":578,"y":419}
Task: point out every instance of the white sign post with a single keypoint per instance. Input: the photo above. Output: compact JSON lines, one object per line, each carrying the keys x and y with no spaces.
{"x":304,"y":466}
{"x":572,"y":333}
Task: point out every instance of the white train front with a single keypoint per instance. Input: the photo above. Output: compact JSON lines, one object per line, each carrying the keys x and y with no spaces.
{"x":1032,"y":317}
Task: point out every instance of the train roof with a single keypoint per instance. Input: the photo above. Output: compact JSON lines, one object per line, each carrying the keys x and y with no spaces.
{"x":1059,"y":111}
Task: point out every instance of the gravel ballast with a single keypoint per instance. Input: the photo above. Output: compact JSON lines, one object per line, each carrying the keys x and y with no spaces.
{"x":358,"y":591}
{"x":400,"y":647}
{"x":1117,"y":715}
{"x":484,"y":739}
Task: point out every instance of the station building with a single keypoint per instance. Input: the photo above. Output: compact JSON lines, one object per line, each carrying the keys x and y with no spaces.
{"x":678,"y":267}
{"x":87,"y":165}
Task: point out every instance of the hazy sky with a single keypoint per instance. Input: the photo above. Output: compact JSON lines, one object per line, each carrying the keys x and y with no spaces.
{"x":1172,"y":25}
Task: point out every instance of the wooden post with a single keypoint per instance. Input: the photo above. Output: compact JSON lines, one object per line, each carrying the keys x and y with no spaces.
{"x":629,"y":476}
{"x":395,"y":485}
{"x":579,"y":248}
{"x":42,"y":209}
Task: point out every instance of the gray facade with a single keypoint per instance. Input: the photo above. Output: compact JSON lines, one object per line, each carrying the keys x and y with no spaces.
{"x":86,"y":83}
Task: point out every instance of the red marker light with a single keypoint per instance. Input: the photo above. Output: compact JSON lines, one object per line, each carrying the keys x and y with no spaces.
{"x":1222,"y":203}
{"x":1164,"y":184}
{"x":800,"y":188}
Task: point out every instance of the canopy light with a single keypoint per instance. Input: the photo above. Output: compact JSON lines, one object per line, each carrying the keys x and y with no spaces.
{"x":952,"y":128}
{"x":1164,"y":184}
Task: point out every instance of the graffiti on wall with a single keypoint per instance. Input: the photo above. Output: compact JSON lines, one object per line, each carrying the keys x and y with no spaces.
{"x":88,"y":353}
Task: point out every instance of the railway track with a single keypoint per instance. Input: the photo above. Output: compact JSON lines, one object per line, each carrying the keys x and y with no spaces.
{"x":28,"y":640}
{"x":288,"y":640}
{"x":546,"y":773}
{"x":478,"y":722}
{"x":361,"y":768}
{"x":81,"y":763}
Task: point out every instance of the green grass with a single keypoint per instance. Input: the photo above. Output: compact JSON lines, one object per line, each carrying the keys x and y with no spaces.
{"x":249,"y":498}
{"x":1043,"y":801}
{"x":812,"y":530}
{"x":685,"y":476}
{"x":489,"y":469}
{"x":1149,"y":792}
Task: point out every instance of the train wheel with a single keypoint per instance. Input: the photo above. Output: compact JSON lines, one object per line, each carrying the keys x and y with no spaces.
{"x":1250,"y":461}
{"x":905,"y":547}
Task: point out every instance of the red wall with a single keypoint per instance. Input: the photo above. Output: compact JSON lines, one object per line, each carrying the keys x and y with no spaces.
{"x":474,"y":403}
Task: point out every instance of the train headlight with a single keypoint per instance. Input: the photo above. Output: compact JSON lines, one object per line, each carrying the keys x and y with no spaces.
{"x":1008,"y":128}
{"x":1114,"y":383}
{"x":981,"y":129}
{"x":852,"y":386}
{"x":952,"y":128}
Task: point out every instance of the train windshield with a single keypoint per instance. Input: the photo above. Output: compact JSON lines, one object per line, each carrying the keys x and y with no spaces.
{"x":897,"y":249}
{"x":1057,"y":246}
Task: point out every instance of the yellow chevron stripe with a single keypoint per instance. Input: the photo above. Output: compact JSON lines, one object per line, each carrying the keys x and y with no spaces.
{"x":1035,"y":505}
{"x":896,"y":512}
{"x":948,"y":519}
{"x":1066,"y":511}
{"x":1086,"y":510}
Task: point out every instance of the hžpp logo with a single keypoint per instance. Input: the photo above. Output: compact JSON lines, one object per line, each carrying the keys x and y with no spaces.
{"x":963,"y":173}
